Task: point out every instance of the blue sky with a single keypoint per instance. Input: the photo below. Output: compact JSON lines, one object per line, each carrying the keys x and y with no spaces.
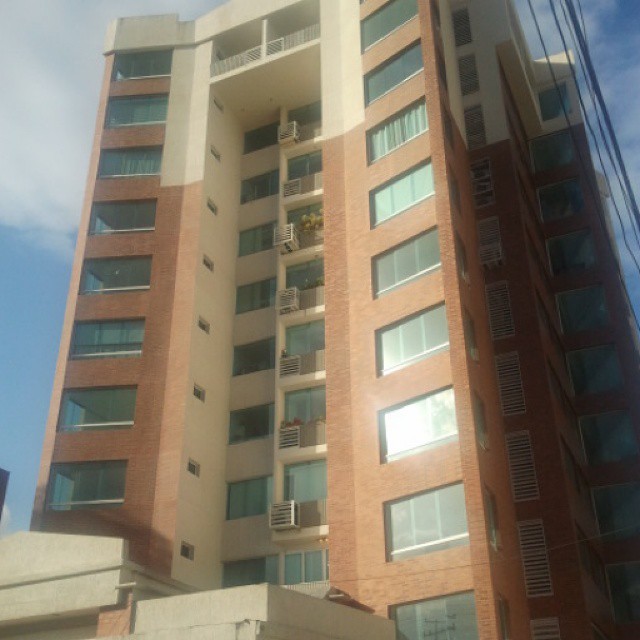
{"x":47,"y":113}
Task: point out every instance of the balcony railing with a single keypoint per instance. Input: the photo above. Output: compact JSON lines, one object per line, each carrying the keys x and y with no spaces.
{"x":298,"y":186}
{"x":293,"y":299}
{"x":309,"y":434}
{"x":260,"y":52}
{"x":300,"y":365}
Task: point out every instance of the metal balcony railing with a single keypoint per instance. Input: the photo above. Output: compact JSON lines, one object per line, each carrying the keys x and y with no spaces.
{"x":260,"y":52}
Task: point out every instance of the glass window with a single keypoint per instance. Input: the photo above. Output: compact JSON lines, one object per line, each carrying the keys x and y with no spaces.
{"x":142,"y":64}
{"x":253,"y":571}
{"x":392,"y":73}
{"x":412,"y":339}
{"x":86,"y":485}
{"x":305,"y":165}
{"x":420,"y":620}
{"x":561,"y":200}
{"x":504,"y":619}
{"x":119,"y":217}
{"x":396,"y":131}
{"x":582,"y":309}
{"x":82,"y":409}
{"x":552,"y":151}
{"x":305,"y":405}
{"x":260,"y":138}
{"x":406,"y":262}
{"x":307,"y":114}
{"x":248,"y":497}
{"x":385,"y":20}
{"x":618,"y":510}
{"x":595,"y":370}
{"x":130,"y":162}
{"x":572,"y":252}
{"x":305,"y":338}
{"x":491,"y":510}
{"x":608,"y":437}
{"x":115,"y":274}
{"x":295,"y":215}
{"x":256,"y":239}
{"x":308,"y":275}
{"x":554,"y":102}
{"x":426,"y":522}
{"x":136,"y":110}
{"x":624,"y":584}
{"x":418,"y":424}
{"x":401,"y":193}
{"x":262,"y":186}
{"x":306,"y":482}
{"x":306,"y":566}
{"x":250,"y":423}
{"x":257,"y":295}
{"x":256,"y":356}
{"x":480,"y":420}
{"x":107,"y":339}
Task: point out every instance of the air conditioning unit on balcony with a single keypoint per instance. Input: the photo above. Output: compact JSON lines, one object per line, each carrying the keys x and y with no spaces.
{"x":286,"y":237}
{"x":288,"y":300}
{"x":284,"y":515}
{"x":289,"y":133}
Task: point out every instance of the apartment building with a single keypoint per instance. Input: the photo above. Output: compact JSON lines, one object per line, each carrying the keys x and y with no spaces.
{"x":346,"y":310}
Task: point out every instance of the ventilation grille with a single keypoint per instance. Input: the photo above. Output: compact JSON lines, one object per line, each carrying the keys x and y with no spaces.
{"x":489,"y":242}
{"x":522,"y":468}
{"x":482,"y":182}
{"x":535,"y":561}
{"x":510,"y":384}
{"x":500,"y":316}
{"x":545,"y":629}
{"x":462,"y":27}
{"x":474,"y":124}
{"x":469,"y":81}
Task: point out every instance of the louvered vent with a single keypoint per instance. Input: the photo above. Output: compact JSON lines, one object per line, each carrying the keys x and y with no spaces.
{"x":545,"y":629}
{"x":522,"y":468}
{"x":482,"y":182}
{"x":474,"y":124}
{"x":489,"y":242}
{"x":510,"y":384}
{"x":535,"y":560}
{"x":469,"y":82}
{"x":461,"y":27}
{"x":499,"y":305}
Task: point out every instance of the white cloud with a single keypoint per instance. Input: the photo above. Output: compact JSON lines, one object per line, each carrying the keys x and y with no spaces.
{"x":5,"y":522}
{"x":47,"y":113}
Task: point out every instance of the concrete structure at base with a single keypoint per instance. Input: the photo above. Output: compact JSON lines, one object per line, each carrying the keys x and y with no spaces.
{"x":64,"y":587}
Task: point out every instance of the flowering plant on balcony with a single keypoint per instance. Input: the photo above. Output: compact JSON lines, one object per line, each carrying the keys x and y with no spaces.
{"x":286,"y":424}
{"x":312,"y":222}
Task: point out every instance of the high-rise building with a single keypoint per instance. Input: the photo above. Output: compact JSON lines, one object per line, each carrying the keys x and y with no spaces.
{"x":345,"y":306}
{"x":4,"y":481}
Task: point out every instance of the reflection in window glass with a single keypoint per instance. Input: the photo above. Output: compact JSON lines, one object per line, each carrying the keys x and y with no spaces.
{"x":142,"y":64}
{"x":119,"y":217}
{"x":305,"y":165}
{"x":305,"y":338}
{"x":256,"y":239}
{"x":248,"y":498}
{"x":412,"y":340}
{"x":608,"y":437}
{"x":97,"y":408}
{"x":618,"y":510}
{"x":262,"y":186}
{"x":595,"y":370}
{"x":256,"y":356}
{"x":250,"y":423}
{"x":582,"y":309}
{"x":552,"y":151}
{"x":561,"y":200}
{"x":418,"y":424}
{"x":136,"y":110}
{"x":306,"y":482}
{"x":554,"y":102}
{"x":572,"y":252}
{"x":107,"y":339}
{"x":257,"y":295}
{"x":385,"y":20}
{"x":253,"y":571}
{"x":115,"y":274}
{"x":624,"y":584}
{"x":305,"y":405}
{"x":307,"y":275}
{"x":392,"y":72}
{"x":130,"y":162}
{"x":426,"y":522}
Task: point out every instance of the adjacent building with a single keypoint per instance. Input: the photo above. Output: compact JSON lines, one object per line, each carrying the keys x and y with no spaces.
{"x":4,"y":481}
{"x":346,"y":309}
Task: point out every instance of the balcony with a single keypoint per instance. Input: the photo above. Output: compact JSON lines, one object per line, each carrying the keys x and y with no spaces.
{"x":298,"y":435}
{"x":300,"y":186}
{"x":264,"y":51}
{"x":293,"y":299}
{"x":288,"y":515}
{"x":289,"y":237}
{"x":294,"y":132}
{"x":300,"y":365}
